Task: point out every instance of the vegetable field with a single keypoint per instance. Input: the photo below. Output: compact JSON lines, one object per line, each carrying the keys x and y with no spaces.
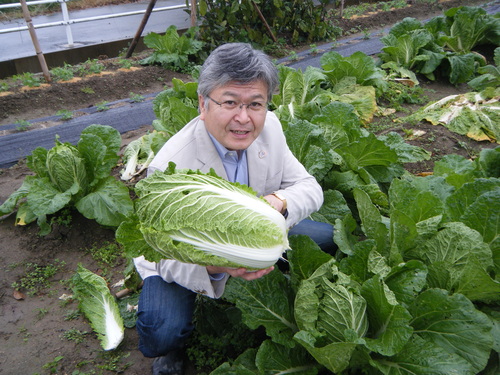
{"x":413,"y":287}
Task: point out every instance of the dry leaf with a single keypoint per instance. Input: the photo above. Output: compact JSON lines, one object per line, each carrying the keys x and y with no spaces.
{"x":19,"y":295}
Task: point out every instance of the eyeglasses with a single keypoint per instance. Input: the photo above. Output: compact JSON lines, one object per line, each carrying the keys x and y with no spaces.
{"x":231,"y":105}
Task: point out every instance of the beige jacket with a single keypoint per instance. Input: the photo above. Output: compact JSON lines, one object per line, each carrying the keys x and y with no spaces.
{"x":271,"y":167}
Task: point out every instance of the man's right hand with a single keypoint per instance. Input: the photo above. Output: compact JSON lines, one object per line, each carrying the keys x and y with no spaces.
{"x":240,"y":272}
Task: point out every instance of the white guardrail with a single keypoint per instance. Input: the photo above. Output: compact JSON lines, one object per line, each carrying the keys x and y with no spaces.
{"x":66,"y":21}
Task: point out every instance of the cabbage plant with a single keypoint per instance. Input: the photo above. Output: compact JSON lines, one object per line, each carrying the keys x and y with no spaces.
{"x":68,"y":176}
{"x":444,"y":46}
{"x":414,"y":291}
{"x":203,"y":219}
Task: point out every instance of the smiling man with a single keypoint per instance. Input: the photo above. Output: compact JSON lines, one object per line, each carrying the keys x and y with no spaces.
{"x":243,"y":142}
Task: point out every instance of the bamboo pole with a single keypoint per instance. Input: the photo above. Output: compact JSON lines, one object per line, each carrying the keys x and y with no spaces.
{"x":36,"y":44}
{"x":138,"y":34}
{"x":264,"y":21}
{"x":193,"y":13}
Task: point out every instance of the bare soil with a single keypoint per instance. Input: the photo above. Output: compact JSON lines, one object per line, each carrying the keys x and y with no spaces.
{"x":37,"y":334}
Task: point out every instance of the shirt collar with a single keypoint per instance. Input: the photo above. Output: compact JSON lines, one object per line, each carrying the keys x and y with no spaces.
{"x":222,"y":151}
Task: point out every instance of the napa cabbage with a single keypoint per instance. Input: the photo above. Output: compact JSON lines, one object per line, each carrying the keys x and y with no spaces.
{"x":99,"y":306}
{"x":68,"y":176}
{"x":203,"y":219}
{"x":140,"y":153}
{"x":445,"y":46}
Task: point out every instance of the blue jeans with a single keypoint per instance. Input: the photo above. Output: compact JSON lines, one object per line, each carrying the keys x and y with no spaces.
{"x":321,"y":233}
{"x":164,"y":316}
{"x":165,"y":312}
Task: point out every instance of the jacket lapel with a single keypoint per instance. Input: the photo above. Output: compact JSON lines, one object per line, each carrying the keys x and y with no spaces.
{"x":206,"y":153}
{"x":257,"y":157}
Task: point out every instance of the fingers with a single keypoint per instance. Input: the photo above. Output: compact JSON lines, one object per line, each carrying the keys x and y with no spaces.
{"x":240,"y":272}
{"x":244,"y":274}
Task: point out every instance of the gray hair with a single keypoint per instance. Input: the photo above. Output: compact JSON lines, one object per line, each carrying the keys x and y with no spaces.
{"x":237,"y":62}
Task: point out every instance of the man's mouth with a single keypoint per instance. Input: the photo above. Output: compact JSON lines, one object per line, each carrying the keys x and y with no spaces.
{"x":240,"y":132}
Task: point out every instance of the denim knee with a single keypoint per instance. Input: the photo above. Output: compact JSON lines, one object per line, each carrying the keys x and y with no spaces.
{"x":320,"y":233}
{"x":164,"y":317}
{"x":159,"y":337}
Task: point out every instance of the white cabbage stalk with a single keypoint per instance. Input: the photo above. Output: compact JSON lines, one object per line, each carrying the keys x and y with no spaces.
{"x":203,"y":219}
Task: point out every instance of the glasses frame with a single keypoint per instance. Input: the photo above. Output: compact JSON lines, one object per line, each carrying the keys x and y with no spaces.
{"x":240,"y":106}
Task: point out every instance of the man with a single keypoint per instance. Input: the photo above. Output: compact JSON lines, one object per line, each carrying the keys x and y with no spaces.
{"x":243,"y":142}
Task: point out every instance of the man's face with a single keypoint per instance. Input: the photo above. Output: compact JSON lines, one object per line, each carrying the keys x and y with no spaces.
{"x":236,"y":128}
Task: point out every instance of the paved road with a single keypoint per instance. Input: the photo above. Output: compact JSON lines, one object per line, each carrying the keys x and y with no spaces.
{"x":134,"y":115}
{"x":18,"y":44}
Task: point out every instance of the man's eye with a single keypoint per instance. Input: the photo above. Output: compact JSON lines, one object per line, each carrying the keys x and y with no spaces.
{"x":256,"y":105}
{"x":230,"y":103}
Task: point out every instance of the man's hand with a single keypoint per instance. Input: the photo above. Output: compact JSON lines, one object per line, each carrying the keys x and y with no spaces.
{"x":275,"y":202}
{"x":240,"y":272}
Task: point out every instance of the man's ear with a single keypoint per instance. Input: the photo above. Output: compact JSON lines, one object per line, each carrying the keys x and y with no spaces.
{"x":201,"y":107}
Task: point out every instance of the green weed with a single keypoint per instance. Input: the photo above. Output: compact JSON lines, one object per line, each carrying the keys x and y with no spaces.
{"x":398,"y":94}
{"x":62,"y":73}
{"x":27,"y":79}
{"x":53,"y":365}
{"x":113,"y":361}
{"x":22,"y":125}
{"x":63,"y":217}
{"x":102,"y":106}
{"x":91,"y":66}
{"x":41,"y":313}
{"x":87,"y":90}
{"x":136,"y":98}
{"x":72,"y":315}
{"x":23,"y":331}
{"x":124,"y":63}
{"x":64,"y":114}
{"x":38,"y":277}
{"x":4,"y":86}
{"x":106,"y":254}
{"x":75,"y":335}
{"x":293,"y":56}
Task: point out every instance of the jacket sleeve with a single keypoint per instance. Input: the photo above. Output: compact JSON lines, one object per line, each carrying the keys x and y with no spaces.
{"x":283,"y":173}
{"x":191,"y":276}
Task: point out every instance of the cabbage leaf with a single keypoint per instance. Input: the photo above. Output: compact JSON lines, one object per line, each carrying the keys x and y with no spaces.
{"x":99,"y":306}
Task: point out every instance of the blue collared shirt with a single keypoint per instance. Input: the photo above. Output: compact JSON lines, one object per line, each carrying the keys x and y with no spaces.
{"x":236,"y":166}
